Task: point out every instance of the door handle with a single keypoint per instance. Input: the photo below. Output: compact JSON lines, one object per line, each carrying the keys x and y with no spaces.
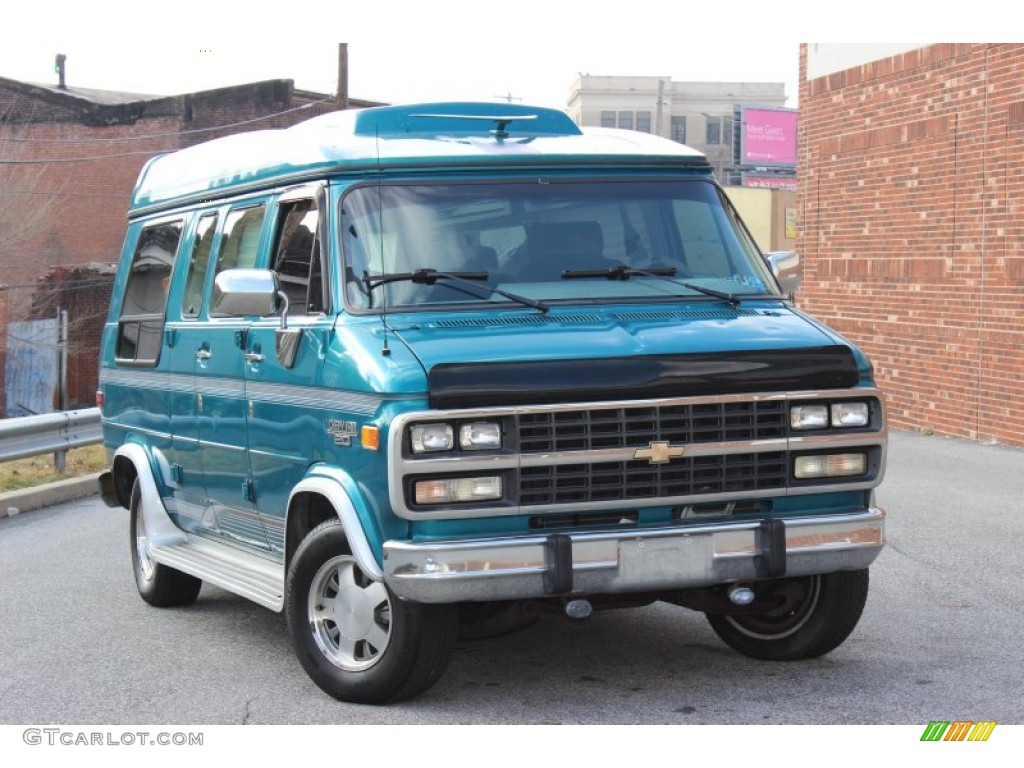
{"x":253,"y":357}
{"x":203,"y":354}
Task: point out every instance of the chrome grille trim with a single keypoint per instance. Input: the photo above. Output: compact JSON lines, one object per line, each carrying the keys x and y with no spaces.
{"x":626,"y":454}
{"x":637,"y":482}
{"x":638,"y":426}
{"x":520,"y":465}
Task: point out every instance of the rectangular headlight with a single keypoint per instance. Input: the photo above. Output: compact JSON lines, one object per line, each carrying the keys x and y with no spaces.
{"x":832,"y":465}
{"x":808,"y":417}
{"x":453,"y":490}
{"x":426,"y":438}
{"x":480,"y":436}
{"x":850,"y":414}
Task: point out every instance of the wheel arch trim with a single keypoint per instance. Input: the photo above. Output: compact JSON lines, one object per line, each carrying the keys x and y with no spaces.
{"x":330,"y":483}
{"x":159,"y":527}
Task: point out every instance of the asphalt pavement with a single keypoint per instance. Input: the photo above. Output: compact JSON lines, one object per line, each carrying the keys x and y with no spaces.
{"x":940,"y":638}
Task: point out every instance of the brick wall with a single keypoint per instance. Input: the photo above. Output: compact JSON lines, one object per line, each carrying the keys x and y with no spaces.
{"x":66,"y":182}
{"x":64,"y":190}
{"x":84,"y":293}
{"x":66,"y":175}
{"x":911,"y":190}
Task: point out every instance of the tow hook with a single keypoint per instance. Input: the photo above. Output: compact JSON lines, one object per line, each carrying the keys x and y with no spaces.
{"x":578,"y":609}
{"x":741,"y":594}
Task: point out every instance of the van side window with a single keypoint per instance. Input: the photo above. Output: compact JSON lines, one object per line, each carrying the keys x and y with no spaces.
{"x":198,"y":265}
{"x":141,"y":324}
{"x":297,"y":256}
{"x":240,"y":243}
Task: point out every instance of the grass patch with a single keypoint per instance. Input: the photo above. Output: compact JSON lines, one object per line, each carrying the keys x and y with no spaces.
{"x":26,"y":473}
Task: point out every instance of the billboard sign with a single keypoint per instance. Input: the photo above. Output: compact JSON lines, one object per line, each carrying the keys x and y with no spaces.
{"x":769,"y":182}
{"x":768,"y":137}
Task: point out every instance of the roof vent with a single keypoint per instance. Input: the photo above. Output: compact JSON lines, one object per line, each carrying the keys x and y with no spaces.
{"x":459,"y":118}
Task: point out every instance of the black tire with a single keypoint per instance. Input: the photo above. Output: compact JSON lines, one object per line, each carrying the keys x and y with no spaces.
{"x":810,"y":617}
{"x":159,"y":585}
{"x":377,"y":649}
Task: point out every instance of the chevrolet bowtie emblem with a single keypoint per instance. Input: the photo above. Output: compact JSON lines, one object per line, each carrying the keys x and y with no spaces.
{"x":659,"y":452}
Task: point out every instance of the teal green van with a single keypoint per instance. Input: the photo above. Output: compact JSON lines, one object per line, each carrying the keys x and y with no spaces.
{"x":421,"y":373}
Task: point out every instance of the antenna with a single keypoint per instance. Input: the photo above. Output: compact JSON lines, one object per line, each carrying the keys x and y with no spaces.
{"x":385,"y":351}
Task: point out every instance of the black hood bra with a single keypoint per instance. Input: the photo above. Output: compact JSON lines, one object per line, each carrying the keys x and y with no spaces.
{"x":476,"y":385}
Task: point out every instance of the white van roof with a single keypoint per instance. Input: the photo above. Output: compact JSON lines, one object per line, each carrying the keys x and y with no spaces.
{"x":416,"y":137}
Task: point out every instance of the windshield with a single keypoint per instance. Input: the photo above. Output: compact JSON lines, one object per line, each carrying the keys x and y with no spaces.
{"x":546,"y":241}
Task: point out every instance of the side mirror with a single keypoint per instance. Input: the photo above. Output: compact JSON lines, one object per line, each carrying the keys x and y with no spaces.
{"x":240,"y":292}
{"x":785,"y":265}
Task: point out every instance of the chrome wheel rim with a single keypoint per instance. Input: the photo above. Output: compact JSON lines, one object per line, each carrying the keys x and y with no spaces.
{"x":142,"y":547}
{"x":786,"y":620}
{"x":349,"y":615}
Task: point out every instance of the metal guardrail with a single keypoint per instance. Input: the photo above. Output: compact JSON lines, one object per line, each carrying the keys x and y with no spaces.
{"x":49,"y":433}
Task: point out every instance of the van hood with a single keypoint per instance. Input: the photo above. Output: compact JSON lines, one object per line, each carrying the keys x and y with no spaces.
{"x":486,"y":360}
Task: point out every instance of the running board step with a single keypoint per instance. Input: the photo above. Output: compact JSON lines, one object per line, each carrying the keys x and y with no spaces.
{"x":250,"y":576}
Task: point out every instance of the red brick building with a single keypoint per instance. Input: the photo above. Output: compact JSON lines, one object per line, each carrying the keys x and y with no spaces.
{"x":69,"y":158}
{"x":911,"y":206}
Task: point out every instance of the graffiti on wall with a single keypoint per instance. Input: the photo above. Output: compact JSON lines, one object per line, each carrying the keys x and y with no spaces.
{"x":32,"y":367}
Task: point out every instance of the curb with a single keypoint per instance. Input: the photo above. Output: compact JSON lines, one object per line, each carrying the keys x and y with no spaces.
{"x":26,"y":499}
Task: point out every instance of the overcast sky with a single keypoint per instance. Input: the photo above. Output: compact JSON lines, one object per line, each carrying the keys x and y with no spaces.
{"x":398,"y":51}
{"x":432,"y":50}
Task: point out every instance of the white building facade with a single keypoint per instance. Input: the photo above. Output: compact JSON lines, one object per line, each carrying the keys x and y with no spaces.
{"x":699,"y":115}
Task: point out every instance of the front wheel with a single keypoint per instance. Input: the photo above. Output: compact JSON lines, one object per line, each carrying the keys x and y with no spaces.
{"x":355,"y":639}
{"x":804,"y":617}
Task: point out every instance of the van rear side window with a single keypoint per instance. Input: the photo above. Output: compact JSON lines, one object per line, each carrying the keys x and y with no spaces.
{"x":145,"y":298}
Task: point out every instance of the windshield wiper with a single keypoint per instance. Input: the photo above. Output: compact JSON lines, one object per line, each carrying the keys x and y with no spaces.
{"x":431,"y":276}
{"x":732,"y":298}
{"x":623,"y":272}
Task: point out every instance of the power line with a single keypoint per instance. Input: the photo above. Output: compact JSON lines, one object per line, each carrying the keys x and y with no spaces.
{"x":64,"y":286}
{"x":46,"y":192}
{"x":84,"y":159}
{"x":35,"y":342}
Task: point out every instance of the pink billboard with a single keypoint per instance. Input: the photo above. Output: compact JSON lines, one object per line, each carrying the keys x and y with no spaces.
{"x":768,"y":137}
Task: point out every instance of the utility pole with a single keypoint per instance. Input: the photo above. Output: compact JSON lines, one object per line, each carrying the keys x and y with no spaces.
{"x":58,"y":67}
{"x":658,"y":108}
{"x":60,"y":457}
{"x":342,"y":76}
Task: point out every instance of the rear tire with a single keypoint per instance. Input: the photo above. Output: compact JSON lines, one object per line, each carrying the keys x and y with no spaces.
{"x":810,"y":616}
{"x":159,"y":585}
{"x":356,"y":640}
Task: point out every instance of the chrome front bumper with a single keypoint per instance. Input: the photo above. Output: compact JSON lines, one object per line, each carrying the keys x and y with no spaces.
{"x":677,"y":557}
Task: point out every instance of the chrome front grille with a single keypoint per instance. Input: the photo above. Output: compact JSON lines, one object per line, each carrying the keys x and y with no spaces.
{"x":636,"y":480}
{"x":689,"y":424}
{"x":576,"y":460}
